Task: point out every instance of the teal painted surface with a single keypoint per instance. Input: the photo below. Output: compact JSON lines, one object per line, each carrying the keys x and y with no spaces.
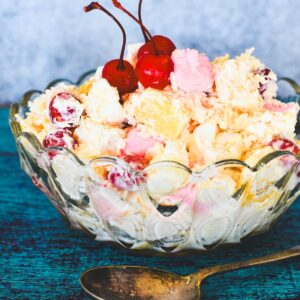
{"x":41,"y":257}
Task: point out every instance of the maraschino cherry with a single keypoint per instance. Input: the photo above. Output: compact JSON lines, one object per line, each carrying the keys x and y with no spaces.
{"x":59,"y":138}
{"x":284,"y":144}
{"x":118,"y":72}
{"x":65,"y":111}
{"x":162,"y":43}
{"x":153,"y":68}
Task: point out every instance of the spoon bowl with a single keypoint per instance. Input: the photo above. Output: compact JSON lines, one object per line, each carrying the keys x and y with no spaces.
{"x":137,"y":283}
{"x":142,"y":283}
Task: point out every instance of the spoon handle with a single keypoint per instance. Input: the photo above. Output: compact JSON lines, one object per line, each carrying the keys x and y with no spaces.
{"x":247,"y":263}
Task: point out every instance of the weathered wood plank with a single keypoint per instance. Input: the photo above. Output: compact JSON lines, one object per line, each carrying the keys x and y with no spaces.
{"x":41,"y":258}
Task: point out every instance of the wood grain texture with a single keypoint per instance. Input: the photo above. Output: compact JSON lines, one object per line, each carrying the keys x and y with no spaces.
{"x":41,"y":257}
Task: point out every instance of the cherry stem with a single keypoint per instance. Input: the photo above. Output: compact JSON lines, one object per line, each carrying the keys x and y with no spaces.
{"x":96,"y":5}
{"x":141,"y":20}
{"x":118,"y":5}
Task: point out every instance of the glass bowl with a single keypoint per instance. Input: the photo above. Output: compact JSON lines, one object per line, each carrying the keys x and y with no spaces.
{"x":165,"y":207}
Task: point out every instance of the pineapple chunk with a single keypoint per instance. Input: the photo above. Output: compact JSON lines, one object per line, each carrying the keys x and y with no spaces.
{"x":160,"y":112}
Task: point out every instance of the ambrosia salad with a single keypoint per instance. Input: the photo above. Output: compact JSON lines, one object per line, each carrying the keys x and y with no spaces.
{"x":224,"y":109}
{"x":185,"y":113}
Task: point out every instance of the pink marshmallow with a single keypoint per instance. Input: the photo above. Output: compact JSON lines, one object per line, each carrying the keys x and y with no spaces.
{"x":277,"y":106}
{"x":201,"y":208}
{"x":186,"y":194}
{"x":192,"y":71}
{"x":138,"y":145}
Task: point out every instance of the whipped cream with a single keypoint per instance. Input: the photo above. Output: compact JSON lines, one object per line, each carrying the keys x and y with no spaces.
{"x":103,"y":105}
{"x":96,"y":139}
{"x":238,"y":83}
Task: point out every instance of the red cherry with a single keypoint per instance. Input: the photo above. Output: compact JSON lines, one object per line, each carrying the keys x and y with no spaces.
{"x":153,"y":44}
{"x":65,"y":111}
{"x":123,"y":179}
{"x":262,"y":72}
{"x":263,"y":86}
{"x":154,"y":70}
{"x":163,"y":44}
{"x":118,"y":72}
{"x":282,"y":144}
{"x":59,"y":138}
{"x":123,"y":79}
{"x":137,"y":162}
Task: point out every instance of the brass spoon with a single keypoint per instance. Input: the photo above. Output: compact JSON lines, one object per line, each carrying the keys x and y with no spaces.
{"x":141,"y":283}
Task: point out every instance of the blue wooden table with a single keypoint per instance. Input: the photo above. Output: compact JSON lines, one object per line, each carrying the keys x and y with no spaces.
{"x":41,"y":258}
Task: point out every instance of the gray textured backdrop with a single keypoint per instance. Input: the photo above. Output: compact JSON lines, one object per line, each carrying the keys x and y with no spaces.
{"x":44,"y":39}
